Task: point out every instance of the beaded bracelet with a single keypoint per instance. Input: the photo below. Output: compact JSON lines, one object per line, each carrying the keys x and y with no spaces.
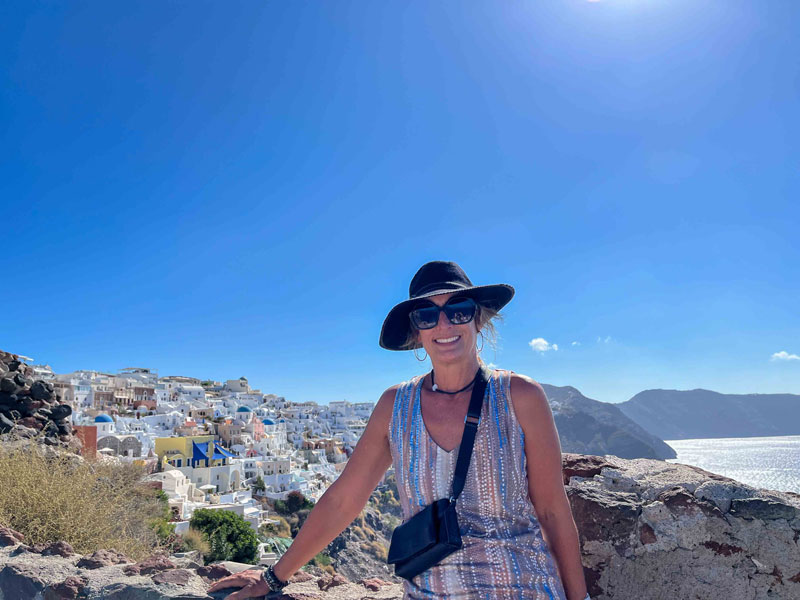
{"x":272,"y":580}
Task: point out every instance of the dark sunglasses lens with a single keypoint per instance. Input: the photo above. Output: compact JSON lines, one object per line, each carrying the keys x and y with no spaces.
{"x":425,"y":317}
{"x":460,"y":311}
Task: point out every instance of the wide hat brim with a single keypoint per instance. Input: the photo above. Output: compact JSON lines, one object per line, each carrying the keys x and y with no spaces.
{"x":397,"y":324}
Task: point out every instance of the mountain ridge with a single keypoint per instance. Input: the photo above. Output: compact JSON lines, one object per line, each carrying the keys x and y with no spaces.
{"x":702,"y":413}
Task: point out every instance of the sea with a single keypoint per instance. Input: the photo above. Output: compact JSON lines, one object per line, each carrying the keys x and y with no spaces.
{"x":771,"y":463}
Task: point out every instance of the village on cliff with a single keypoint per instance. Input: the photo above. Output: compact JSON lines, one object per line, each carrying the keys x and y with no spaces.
{"x":210,"y":444}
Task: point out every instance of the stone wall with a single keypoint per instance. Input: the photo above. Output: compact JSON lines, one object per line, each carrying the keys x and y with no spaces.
{"x":31,"y":409}
{"x":656,"y":530}
{"x":649,"y":530}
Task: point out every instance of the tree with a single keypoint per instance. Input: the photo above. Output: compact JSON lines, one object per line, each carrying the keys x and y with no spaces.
{"x":161,"y":521}
{"x":296,"y":501}
{"x":259,"y":484}
{"x":230,"y":536}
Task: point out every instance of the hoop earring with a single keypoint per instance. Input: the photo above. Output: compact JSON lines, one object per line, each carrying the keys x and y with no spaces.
{"x":418,"y":358}
{"x":480,"y":333}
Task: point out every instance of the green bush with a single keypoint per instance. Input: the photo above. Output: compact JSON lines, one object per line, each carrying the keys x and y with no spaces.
{"x":280,"y":529}
{"x":229,"y":535}
{"x":322,"y":560}
{"x":295,"y":501}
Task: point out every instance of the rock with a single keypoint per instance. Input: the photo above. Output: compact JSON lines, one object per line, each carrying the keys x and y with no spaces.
{"x":326,"y":581}
{"x":39,"y":390}
{"x":374,"y":584}
{"x":6,"y":424}
{"x":25,"y":407}
{"x":31,"y":422}
{"x":35,"y":549}
{"x":581,"y":465}
{"x":174,"y":576}
{"x":25,"y":432}
{"x":60,"y":411}
{"x":8,"y":385}
{"x":300,"y":577}
{"x":680,"y":500}
{"x":153,"y":564}
{"x":213,"y":572}
{"x":650,"y":529}
{"x":58,"y":549}
{"x":19,"y":581}
{"x":103,"y":558}
{"x":766,"y":510}
{"x":69,"y":589}
{"x":10,"y":537}
{"x":604,"y":515}
{"x":722,"y":492}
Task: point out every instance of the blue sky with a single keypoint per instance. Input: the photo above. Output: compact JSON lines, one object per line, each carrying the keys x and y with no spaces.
{"x":246,"y":188}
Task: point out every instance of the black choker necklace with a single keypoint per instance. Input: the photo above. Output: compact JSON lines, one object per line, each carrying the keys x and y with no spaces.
{"x":436,"y":388}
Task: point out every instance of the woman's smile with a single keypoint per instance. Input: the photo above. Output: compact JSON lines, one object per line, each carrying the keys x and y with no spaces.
{"x":447,"y":340}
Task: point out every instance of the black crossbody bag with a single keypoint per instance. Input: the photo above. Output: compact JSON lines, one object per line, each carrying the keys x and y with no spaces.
{"x":433,"y":533}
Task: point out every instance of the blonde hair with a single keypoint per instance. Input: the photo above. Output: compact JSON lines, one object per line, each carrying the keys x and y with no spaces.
{"x":485,"y":318}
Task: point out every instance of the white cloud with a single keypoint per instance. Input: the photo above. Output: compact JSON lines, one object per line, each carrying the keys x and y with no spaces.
{"x":542,"y":345}
{"x":604,"y":340}
{"x":576,"y":343}
{"x":783,"y":355}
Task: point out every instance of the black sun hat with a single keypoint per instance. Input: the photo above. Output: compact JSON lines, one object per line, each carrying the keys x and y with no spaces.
{"x":434,"y":278}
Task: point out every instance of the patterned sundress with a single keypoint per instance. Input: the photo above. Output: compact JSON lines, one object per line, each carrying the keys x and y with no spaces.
{"x":504,"y":555}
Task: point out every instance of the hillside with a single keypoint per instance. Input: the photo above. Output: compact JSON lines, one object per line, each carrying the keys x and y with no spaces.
{"x":587,"y":426}
{"x":689,"y":414}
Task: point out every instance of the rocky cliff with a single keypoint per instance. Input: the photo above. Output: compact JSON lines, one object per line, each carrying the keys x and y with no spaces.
{"x":587,"y":426}
{"x":649,"y":530}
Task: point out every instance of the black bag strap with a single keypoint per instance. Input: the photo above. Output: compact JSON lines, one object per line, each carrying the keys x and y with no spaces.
{"x":470,"y":429}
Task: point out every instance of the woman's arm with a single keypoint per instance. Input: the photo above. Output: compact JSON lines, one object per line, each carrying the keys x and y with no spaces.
{"x":546,"y":482}
{"x":346,"y":497}
{"x":336,"y":509}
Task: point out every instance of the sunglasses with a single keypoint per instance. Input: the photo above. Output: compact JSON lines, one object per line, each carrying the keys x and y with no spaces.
{"x":458,"y":310}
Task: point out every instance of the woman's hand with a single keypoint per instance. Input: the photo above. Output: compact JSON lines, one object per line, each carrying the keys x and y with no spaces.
{"x":251,"y":582}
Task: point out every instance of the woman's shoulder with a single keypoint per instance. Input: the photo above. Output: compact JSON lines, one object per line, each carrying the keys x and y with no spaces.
{"x":524,"y":385}
{"x":528,"y":400}
{"x":512,"y":378}
{"x":391,"y":392}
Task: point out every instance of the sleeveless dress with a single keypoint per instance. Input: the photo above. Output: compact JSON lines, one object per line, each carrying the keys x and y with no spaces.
{"x":504,"y":555}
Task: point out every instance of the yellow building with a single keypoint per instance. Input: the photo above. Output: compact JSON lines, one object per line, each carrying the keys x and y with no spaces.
{"x":191,"y":451}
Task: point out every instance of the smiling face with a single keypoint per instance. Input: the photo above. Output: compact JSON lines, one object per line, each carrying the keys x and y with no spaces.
{"x":448,"y":343}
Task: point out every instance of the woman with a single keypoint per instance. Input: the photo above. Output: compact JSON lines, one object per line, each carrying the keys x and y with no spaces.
{"x":519,"y":537}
